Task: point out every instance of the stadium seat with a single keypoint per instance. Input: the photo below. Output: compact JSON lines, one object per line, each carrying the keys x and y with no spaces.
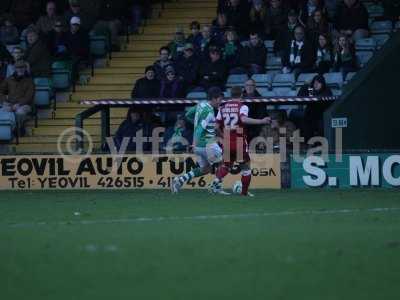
{"x":263,"y":80}
{"x":337,"y":92}
{"x":237,"y":79}
{"x":265,"y":92}
{"x":350,"y":76}
{"x":197,"y":95}
{"x":305,"y":78}
{"x":284,"y":80}
{"x":61,"y":75}
{"x":381,"y":39}
{"x":363,"y":57}
{"x":397,"y":26}
{"x":99,"y":46}
{"x":381,"y":27}
{"x":367,"y":44}
{"x":245,"y":43}
{"x":43,"y":91}
{"x":375,"y":11}
{"x":284,"y":92}
{"x":227,"y":93}
{"x":334,"y":79}
{"x":269,"y":44}
{"x":7,"y":122}
{"x":273,"y":62}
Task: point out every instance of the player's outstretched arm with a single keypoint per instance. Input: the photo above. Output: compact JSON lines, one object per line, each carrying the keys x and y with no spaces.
{"x":250,"y":121}
{"x":189,"y":116}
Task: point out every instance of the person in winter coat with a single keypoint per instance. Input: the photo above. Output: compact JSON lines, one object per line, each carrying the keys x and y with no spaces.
{"x":148,"y":86}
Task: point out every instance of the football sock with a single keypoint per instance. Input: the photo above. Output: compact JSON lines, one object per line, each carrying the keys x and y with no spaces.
{"x":246,"y":179}
{"x":222,"y":171}
{"x":188,"y":176}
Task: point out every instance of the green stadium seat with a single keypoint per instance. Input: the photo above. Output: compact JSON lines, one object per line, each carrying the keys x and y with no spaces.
{"x":375,"y":11}
{"x":366,"y":44}
{"x":284,"y":92}
{"x":363,"y":57}
{"x":381,"y":39}
{"x":269,"y":44}
{"x":265,"y":92}
{"x":61,"y":75}
{"x":99,"y":46}
{"x":7,"y":123}
{"x":334,"y":79}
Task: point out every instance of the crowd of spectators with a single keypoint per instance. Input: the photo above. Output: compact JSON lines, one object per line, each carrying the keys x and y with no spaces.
{"x":35,"y":33}
{"x":309,"y":36}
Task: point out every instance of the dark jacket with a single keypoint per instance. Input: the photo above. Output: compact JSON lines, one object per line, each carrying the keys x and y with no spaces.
{"x":250,"y":55}
{"x":39,"y":59}
{"x":392,"y":9}
{"x":145,"y":88}
{"x":188,"y":69}
{"x":19,"y":90}
{"x":304,"y":12}
{"x":307,"y":58}
{"x":172,"y":89}
{"x":127,"y":129}
{"x":238,"y":17}
{"x":275,"y":21}
{"x":351,"y":18}
{"x":324,"y":59}
{"x":284,"y":36}
{"x":78,"y":43}
{"x":58,"y":45}
{"x":160,"y":68}
{"x":215,"y":72}
{"x":232,"y":54}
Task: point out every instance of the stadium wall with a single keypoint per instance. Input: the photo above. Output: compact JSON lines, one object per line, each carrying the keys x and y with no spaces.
{"x":370,"y":105}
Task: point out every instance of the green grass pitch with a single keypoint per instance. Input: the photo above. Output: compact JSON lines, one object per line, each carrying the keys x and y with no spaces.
{"x":293,"y":244}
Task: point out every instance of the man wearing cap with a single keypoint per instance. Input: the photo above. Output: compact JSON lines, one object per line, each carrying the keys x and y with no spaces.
{"x":17,"y":92}
{"x":148,"y":86}
{"x":37,"y":55}
{"x":187,"y":66}
{"x":75,"y":10}
{"x":78,"y":44}
{"x":206,"y":148}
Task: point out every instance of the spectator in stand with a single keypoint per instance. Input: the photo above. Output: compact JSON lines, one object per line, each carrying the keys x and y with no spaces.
{"x":392,"y":10}
{"x":38,"y":55}
{"x":148,"y":86}
{"x":177,"y":138}
{"x":128,"y":129}
{"x":317,"y":25}
{"x":313,"y":115}
{"x":352,"y":19}
{"x":218,"y":29}
{"x":195,"y":37}
{"x":232,"y":49}
{"x":257,"y":15}
{"x":324,"y":55}
{"x":58,"y":41}
{"x":76,"y":11}
{"x":308,"y":9}
{"x":9,"y":33}
{"x":5,"y":58}
{"x":280,"y":127}
{"x":275,"y":19}
{"x":187,"y":67}
{"x":139,"y":10}
{"x":46,"y":23}
{"x":17,"y":56}
{"x":177,"y":45}
{"x":330,"y":6}
{"x":286,"y":34}
{"x":205,"y":43}
{"x":109,"y":20}
{"x":171,"y":86}
{"x":164,"y":62}
{"x":299,"y":54}
{"x":214,"y":71}
{"x":345,"y":60}
{"x":238,"y":16}
{"x":17,"y":92}
{"x":252,"y":57}
{"x":78,"y":45}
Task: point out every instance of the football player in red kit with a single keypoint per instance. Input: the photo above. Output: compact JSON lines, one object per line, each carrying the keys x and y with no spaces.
{"x":231,"y":121}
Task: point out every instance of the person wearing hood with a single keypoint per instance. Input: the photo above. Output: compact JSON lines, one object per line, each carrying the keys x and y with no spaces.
{"x":148,"y":86}
{"x":171,"y":86}
{"x":313,"y":115}
{"x":17,"y":93}
{"x":129,"y":128}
